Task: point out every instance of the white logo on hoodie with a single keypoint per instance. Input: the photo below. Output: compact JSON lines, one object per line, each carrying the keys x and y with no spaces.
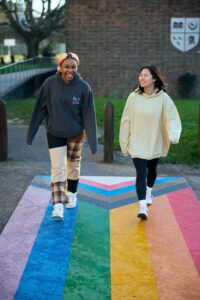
{"x":75,"y":100}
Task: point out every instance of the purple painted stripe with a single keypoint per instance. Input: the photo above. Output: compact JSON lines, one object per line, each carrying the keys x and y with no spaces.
{"x":17,"y":238}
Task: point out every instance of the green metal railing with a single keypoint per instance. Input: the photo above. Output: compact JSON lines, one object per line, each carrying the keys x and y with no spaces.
{"x":13,"y":74}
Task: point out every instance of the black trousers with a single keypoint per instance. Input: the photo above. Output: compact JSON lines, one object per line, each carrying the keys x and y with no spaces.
{"x":146,"y":173}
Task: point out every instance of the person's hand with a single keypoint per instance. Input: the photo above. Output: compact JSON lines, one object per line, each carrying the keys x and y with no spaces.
{"x":125,"y":154}
{"x":173,"y":142}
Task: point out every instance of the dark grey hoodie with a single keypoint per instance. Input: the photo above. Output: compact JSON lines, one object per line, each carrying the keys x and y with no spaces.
{"x":67,"y":108}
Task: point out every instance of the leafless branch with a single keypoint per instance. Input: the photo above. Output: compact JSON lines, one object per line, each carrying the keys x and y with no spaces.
{"x":34,"y":24}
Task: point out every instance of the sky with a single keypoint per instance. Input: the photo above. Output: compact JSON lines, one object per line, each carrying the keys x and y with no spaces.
{"x":37,"y":4}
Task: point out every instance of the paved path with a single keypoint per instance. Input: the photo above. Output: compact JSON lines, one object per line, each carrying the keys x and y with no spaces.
{"x":100,"y":250}
{"x":25,"y":162}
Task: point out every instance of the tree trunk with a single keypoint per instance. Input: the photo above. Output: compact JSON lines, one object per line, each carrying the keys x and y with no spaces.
{"x":33,"y":29}
{"x":32,"y":47}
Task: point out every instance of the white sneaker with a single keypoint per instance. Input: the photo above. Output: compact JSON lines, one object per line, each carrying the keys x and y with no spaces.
{"x":143,"y":212}
{"x":57,"y":211}
{"x":149,"y":199}
{"x":72,"y":199}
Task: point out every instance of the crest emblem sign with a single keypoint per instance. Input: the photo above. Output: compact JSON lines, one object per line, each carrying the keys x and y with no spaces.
{"x":185,"y":33}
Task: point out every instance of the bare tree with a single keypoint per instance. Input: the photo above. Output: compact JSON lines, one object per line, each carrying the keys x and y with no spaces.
{"x":34,"y":25}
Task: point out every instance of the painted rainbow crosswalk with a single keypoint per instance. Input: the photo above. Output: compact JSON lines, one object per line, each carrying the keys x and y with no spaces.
{"x":101,"y":250}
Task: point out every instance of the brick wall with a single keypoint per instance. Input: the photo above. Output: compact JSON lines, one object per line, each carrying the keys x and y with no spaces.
{"x":114,"y":38}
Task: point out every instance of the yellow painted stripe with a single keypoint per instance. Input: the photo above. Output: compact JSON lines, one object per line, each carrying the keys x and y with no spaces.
{"x":175,"y":272}
{"x":131,"y":269}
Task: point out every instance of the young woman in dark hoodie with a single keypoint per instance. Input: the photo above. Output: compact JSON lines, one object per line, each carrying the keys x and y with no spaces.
{"x":66,"y":103}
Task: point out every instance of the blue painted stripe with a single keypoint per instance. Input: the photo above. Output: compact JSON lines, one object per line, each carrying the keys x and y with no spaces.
{"x":45,"y":272}
{"x":99,"y":190}
{"x":42,"y":185}
{"x":44,"y":176}
{"x":94,"y":201}
{"x":118,"y":191}
{"x":104,"y":192}
{"x":170,"y":189}
{"x":133,"y":199}
{"x":118,"y":203}
{"x":167,"y":179}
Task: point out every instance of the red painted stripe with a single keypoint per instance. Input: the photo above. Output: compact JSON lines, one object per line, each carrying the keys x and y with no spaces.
{"x":174,"y":269}
{"x":107,"y":187}
{"x":187,"y":211}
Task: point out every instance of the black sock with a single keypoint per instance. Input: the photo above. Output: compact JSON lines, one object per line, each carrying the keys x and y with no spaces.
{"x":72,"y":185}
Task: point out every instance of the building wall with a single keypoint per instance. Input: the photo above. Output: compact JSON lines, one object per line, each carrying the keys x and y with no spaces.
{"x":115,"y":38}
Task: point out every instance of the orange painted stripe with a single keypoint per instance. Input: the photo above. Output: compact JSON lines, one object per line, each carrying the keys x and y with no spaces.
{"x":177,"y":277}
{"x":131,"y":268}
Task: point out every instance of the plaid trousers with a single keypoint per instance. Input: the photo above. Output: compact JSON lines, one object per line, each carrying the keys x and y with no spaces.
{"x":65,"y":164}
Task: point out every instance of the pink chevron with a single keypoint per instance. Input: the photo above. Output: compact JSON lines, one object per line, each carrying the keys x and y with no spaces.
{"x":107,"y":187}
{"x":187,"y":212}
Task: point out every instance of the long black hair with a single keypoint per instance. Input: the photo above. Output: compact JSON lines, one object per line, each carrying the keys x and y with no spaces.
{"x":160,"y":83}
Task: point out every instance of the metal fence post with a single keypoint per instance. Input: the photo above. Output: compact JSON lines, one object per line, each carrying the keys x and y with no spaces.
{"x":108,"y":132}
{"x":3,"y":132}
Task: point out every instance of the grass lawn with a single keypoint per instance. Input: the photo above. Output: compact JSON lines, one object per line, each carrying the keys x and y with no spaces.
{"x":184,"y":152}
{"x":20,"y":109}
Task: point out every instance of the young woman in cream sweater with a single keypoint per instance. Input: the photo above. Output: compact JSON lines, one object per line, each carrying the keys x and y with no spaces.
{"x":150,"y":122}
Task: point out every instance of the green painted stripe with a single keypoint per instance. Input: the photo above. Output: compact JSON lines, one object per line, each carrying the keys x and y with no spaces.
{"x":88,"y":275}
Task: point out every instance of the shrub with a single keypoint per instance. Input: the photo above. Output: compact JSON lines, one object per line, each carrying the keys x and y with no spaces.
{"x":186,"y":84}
{"x":48,"y":51}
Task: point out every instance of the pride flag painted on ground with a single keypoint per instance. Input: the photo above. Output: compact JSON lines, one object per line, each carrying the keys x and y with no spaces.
{"x":101,"y":250}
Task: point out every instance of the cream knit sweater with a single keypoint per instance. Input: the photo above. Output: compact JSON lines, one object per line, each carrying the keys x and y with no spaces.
{"x":148,"y":125}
